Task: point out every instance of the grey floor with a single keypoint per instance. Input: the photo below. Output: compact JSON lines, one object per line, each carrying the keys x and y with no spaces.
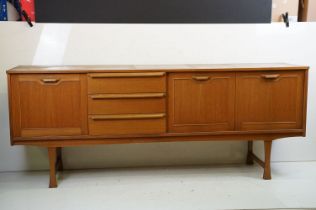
{"x":184,"y":188}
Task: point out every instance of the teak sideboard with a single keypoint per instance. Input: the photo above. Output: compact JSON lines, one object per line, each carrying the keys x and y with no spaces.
{"x":59,"y":106}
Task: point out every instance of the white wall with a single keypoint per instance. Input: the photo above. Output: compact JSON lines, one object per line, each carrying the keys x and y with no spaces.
{"x":57,"y":44}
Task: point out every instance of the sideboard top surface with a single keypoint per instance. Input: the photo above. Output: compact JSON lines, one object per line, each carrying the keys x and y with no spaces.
{"x":166,"y":68}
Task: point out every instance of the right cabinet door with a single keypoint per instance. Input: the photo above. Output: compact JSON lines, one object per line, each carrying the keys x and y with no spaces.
{"x":269,"y":100}
{"x":201,"y":102}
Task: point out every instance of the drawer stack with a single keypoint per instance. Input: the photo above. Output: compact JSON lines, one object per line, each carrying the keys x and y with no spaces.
{"x":127,"y":103}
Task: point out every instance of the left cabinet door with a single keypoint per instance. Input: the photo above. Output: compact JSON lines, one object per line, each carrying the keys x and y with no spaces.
{"x":48,"y":105}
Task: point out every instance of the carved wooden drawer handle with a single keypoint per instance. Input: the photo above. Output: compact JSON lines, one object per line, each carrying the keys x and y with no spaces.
{"x":128,"y":116}
{"x":201,"y":78}
{"x":131,"y":95}
{"x":50,"y":80}
{"x":271,"y":76}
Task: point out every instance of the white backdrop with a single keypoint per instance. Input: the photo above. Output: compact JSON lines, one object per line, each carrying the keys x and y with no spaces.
{"x":57,"y":44}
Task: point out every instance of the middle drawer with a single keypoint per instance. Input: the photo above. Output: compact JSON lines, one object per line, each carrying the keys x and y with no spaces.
{"x":138,"y":103}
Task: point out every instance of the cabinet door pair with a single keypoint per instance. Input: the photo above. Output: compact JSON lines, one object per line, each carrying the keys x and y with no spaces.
{"x":243,"y":101}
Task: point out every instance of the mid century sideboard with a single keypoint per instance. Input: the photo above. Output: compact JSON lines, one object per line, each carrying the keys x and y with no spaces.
{"x":60,"y":106}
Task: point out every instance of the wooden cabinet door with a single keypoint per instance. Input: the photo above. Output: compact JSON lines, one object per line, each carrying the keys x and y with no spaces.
{"x":48,"y":105}
{"x":201,"y":102}
{"x":269,"y":100}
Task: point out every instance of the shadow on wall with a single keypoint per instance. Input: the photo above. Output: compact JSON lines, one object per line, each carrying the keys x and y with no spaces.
{"x":141,"y":155}
{"x":35,"y":158}
{"x":154,"y":154}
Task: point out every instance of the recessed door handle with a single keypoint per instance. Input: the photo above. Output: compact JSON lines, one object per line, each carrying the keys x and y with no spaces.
{"x":50,"y":80}
{"x":201,"y":78}
{"x":271,"y":76}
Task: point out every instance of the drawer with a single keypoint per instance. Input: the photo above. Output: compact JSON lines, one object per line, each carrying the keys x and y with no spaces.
{"x":147,"y":82}
{"x":127,"y":103}
{"x":127,"y":124}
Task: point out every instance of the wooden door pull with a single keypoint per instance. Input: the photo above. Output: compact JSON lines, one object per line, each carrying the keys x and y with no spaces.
{"x":128,"y":96}
{"x":50,"y":80}
{"x":271,"y":76}
{"x":128,"y":116}
{"x":201,"y":78}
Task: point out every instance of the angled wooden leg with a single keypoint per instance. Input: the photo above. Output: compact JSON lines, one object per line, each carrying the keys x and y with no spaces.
{"x":249,"y":153}
{"x":251,"y":157}
{"x":60,"y":166}
{"x":52,"y":155}
{"x":267,"y":158}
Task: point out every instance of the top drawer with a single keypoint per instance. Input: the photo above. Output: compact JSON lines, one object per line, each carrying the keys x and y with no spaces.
{"x":144,"y":82}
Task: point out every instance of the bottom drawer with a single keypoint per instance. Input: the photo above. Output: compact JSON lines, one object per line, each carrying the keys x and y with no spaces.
{"x":127,"y":124}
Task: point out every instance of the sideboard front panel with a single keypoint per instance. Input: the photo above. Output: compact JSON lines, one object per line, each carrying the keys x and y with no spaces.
{"x":75,"y":105}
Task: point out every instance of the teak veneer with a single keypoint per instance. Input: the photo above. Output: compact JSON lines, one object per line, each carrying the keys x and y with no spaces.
{"x":59,"y":106}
